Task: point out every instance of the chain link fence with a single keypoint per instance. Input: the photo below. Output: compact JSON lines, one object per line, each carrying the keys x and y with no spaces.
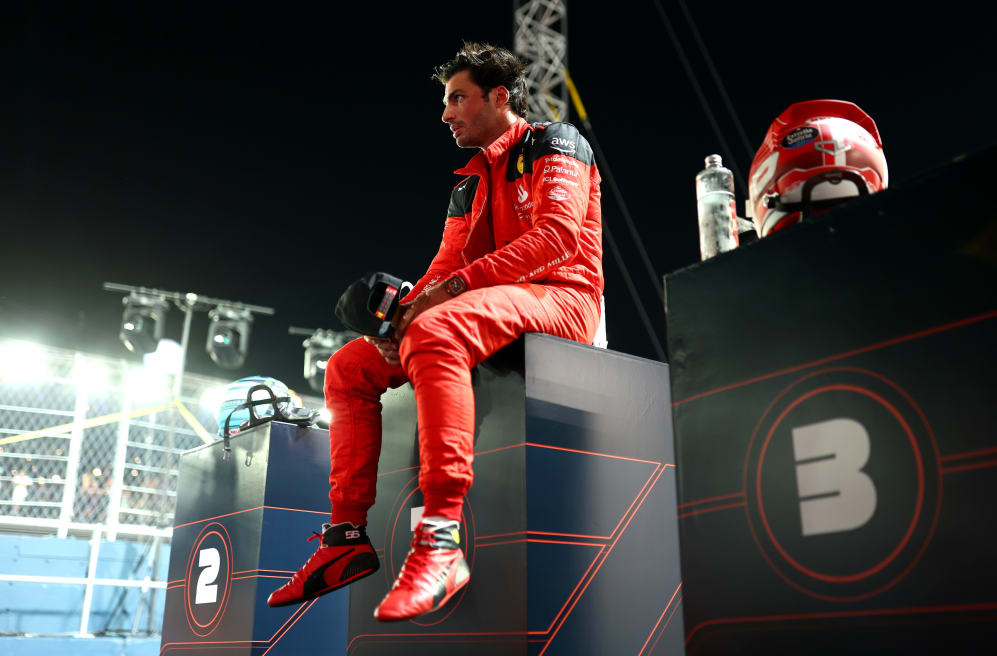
{"x":86,"y":439}
{"x":90,"y":448}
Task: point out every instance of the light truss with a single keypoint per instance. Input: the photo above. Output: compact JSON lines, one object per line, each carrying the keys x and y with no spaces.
{"x":541,"y":41}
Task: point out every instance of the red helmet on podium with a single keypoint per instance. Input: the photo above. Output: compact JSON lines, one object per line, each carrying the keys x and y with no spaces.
{"x":816,"y":154}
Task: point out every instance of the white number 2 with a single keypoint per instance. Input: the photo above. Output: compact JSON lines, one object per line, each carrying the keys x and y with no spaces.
{"x":207,"y":589}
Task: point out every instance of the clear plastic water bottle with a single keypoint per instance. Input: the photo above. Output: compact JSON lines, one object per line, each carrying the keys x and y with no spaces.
{"x":717,"y":211}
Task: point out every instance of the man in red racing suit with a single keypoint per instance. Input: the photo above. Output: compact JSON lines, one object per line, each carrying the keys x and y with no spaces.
{"x":521,"y":252}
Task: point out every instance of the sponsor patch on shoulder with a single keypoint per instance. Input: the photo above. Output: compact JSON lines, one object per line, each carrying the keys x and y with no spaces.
{"x":800,"y":136}
{"x":565,"y":146}
{"x":557,"y":193}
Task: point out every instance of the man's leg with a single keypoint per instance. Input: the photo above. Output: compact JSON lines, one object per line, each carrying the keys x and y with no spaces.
{"x":444,"y":343}
{"x":438,"y":351}
{"x":355,"y":378}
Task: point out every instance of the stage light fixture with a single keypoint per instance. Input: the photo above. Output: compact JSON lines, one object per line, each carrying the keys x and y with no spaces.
{"x":142,"y":322}
{"x":228,"y":336}
{"x":318,"y":349}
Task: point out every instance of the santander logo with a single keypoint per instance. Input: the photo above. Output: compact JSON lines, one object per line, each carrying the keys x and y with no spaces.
{"x":521,"y":195}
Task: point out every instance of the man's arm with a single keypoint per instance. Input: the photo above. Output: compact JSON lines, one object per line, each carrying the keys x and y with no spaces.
{"x":562,"y":165}
{"x":448,"y":259}
{"x":428,"y":291}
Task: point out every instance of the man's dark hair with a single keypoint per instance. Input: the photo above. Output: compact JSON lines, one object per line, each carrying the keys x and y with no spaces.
{"x":489,"y":67}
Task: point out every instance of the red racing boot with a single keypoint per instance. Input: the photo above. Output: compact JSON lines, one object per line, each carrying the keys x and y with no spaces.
{"x":433,"y":572}
{"x":344,"y":555}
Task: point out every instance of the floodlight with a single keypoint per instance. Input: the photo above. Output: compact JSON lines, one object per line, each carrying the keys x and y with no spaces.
{"x":166,"y":359}
{"x":142,"y":322}
{"x":146,"y":385}
{"x":212,"y":399}
{"x":318,"y":349}
{"x":91,"y":375}
{"x":21,"y":360}
{"x":228,"y":335}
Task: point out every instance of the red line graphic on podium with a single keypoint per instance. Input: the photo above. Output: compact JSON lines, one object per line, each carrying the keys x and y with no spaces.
{"x":818,"y":430}
{"x":603,"y":544}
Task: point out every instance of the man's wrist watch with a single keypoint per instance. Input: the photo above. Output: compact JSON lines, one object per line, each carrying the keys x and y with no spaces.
{"x":455,"y":285}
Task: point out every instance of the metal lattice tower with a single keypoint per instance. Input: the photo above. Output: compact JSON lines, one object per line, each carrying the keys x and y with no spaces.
{"x":541,"y":41}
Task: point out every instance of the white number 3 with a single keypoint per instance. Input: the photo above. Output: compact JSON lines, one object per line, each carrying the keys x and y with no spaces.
{"x":207,"y":589}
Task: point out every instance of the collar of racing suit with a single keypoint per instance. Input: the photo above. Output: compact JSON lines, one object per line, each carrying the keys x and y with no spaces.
{"x":480,"y":238}
{"x":479,"y":163}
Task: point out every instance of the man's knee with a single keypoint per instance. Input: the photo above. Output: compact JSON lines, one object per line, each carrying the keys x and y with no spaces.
{"x":348,"y":368}
{"x":429,"y":332}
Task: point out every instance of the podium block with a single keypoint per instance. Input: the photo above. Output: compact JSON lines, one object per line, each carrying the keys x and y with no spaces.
{"x":240,"y":532}
{"x":834,"y":412}
{"x":570,"y":528}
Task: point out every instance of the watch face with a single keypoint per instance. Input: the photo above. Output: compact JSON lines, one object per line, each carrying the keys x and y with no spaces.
{"x":455,"y":285}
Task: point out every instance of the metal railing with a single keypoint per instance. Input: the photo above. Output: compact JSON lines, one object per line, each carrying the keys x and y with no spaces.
{"x":91,"y":445}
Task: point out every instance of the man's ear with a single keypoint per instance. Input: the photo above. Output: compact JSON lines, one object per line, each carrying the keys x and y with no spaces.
{"x":501,"y":95}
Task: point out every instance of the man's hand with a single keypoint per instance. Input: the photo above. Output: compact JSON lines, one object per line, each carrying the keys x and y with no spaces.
{"x":426,"y":299}
{"x":388,"y":349}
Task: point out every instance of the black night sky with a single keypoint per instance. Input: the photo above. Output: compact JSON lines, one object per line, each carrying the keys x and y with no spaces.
{"x":272,"y":153}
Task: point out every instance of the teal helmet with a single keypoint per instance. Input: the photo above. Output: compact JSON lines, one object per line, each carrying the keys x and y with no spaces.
{"x":260,"y":395}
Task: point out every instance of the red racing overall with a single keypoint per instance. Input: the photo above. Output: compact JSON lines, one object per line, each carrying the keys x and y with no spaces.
{"x":524,"y":233}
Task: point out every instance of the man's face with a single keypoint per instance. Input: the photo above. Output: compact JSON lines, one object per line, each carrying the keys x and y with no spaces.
{"x":473,"y":118}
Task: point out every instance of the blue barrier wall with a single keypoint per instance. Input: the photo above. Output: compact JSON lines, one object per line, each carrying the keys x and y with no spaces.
{"x":54,"y":608}
{"x":79,"y":646}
